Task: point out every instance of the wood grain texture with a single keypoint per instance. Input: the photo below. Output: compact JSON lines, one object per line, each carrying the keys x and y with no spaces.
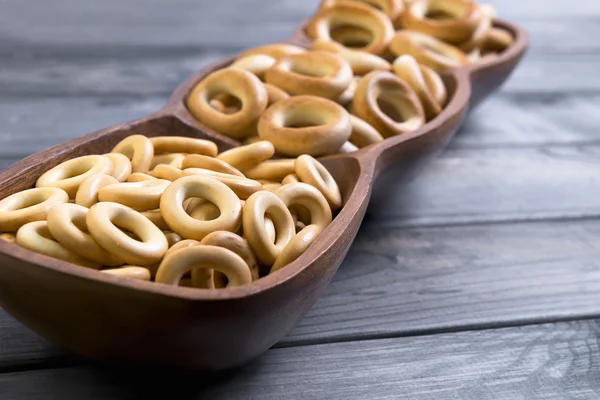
{"x":536,"y":362}
{"x":405,"y":281}
{"x":497,"y":185}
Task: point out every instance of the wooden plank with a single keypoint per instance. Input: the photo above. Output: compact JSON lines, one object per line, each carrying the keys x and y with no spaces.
{"x":21,"y":349}
{"x":31,"y":125}
{"x":535,"y":119}
{"x":500,"y":185}
{"x":408,"y":281}
{"x":553,"y":361}
{"x":130,"y":70}
{"x":243,"y":22}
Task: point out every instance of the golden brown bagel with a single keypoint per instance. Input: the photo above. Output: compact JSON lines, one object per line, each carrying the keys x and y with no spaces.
{"x":317,"y":73}
{"x":239,"y":83}
{"x":452,"y":21}
{"x":407,"y":69}
{"x":392,"y":8}
{"x":427,"y":50}
{"x":355,"y":14}
{"x":258,"y":64}
{"x":305,"y":125}
{"x":276,"y":51}
{"x":388,"y":104}
{"x":361,"y":62}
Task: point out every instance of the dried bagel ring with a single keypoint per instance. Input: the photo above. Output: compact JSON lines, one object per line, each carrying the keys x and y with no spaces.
{"x":176,"y":264}
{"x":130,"y":272}
{"x":121,"y":166}
{"x":29,"y":205}
{"x":479,"y":34}
{"x":361,"y":62}
{"x":239,"y":83}
{"x":166,"y":172}
{"x":346,"y":98}
{"x":259,"y":205}
{"x":392,"y":8}
{"x":87,"y":193}
{"x":141,"y":196}
{"x":238,"y":245}
{"x":138,"y":149}
{"x":242,"y":187}
{"x":427,"y":50}
{"x":172,"y":159}
{"x":457,"y":19}
{"x":356,"y":15}
{"x":402,"y":111}
{"x":248,"y":156}
{"x":69,"y":174}
{"x":305,"y":125}
{"x":183,"y":144}
{"x":258,"y":64}
{"x":139,"y":176}
{"x":276,"y":50}
{"x":67,"y":224}
{"x":275,"y":94}
{"x":105,"y":221}
{"x":36,"y":236}
{"x":182,"y":245}
{"x":408,"y":69}
{"x":156,"y":218}
{"x":363,"y":134}
{"x":348,"y":147}
{"x":8,"y":237}
{"x":172,"y":238}
{"x":298,"y":245}
{"x":314,"y":173}
{"x":308,"y":196}
{"x":171,"y":206}
{"x":435,"y":84}
{"x":317,"y":73}
{"x":291,"y":178}
{"x":272,"y":169}
{"x":497,"y":40}
{"x":214,"y":164}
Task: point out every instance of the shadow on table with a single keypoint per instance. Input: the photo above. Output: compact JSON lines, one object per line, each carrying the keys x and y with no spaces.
{"x":95,"y":381}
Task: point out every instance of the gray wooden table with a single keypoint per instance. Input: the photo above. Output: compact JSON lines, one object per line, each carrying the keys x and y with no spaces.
{"x":481,"y":280}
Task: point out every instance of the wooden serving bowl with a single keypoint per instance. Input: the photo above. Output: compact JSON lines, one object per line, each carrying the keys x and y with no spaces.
{"x":135,"y":322}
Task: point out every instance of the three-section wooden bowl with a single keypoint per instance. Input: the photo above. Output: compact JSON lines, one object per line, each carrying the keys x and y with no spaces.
{"x":135,"y":322}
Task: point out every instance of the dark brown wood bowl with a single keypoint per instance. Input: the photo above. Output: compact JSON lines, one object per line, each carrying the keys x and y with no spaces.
{"x":134,"y":322}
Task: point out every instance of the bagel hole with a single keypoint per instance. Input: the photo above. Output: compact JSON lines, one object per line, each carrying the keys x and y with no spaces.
{"x":303,"y":120}
{"x":302,"y":214}
{"x":130,"y":234}
{"x":270,"y":227}
{"x":439,"y":15}
{"x":225,"y":103}
{"x":202,"y":209}
{"x":306,"y":70}
{"x":389,"y":109}
{"x":352,"y":36}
